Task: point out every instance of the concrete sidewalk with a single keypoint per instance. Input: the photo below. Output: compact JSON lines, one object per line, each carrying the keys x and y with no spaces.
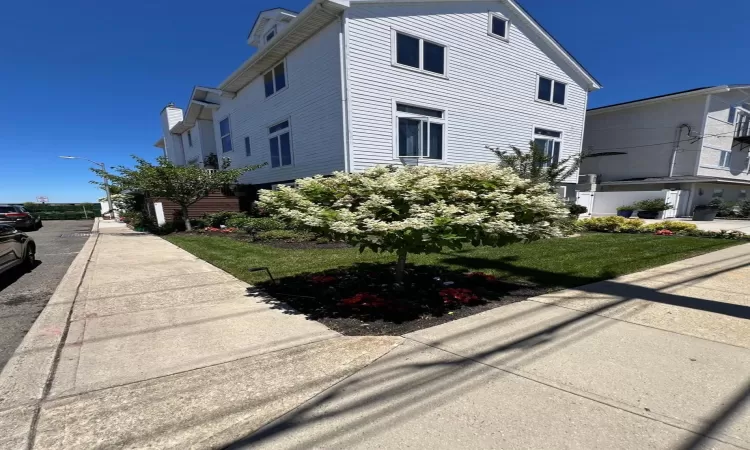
{"x":164,"y":350}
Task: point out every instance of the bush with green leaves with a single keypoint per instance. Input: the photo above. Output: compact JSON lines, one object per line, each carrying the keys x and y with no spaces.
{"x":671,"y":225}
{"x":727,"y":209}
{"x":221,"y":218}
{"x":256,"y":224}
{"x":576,"y":209}
{"x":418,"y":209}
{"x":744,"y":207}
{"x":611,"y":224}
{"x":626,"y":208}
{"x":654,"y":204}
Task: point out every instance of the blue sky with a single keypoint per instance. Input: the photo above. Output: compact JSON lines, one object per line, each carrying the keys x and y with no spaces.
{"x":88,"y":78}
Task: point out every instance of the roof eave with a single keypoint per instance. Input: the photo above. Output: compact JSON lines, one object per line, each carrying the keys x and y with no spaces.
{"x":664,"y":98}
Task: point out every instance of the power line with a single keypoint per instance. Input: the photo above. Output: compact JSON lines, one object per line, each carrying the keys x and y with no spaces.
{"x":662,"y":143}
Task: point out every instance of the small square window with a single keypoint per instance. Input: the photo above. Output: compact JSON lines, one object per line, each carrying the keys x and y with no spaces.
{"x":551,"y":91}
{"x":270,"y":35}
{"x":247,"y":145}
{"x":419,"y":54}
{"x":718,"y":193}
{"x":742,"y":194}
{"x":498,"y":26}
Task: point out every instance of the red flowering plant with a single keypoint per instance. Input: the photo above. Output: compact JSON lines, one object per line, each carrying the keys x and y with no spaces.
{"x":481,"y":277}
{"x":664,"y":232}
{"x":323,"y":279}
{"x":456,"y":296}
{"x":365,"y":299}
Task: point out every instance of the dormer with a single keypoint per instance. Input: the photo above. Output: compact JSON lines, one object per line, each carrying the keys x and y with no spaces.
{"x":268,"y":25}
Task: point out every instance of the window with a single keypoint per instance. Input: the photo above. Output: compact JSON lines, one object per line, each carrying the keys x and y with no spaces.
{"x":420,"y":132}
{"x":551,"y":91}
{"x":275,"y":79}
{"x":190,"y":139}
{"x":549,"y":141}
{"x":247,"y":145}
{"x":280,"y":144}
{"x":742,"y":194}
{"x":718,"y":193}
{"x":725,"y":159}
{"x":732,"y":114}
{"x":270,"y":35}
{"x":498,"y":26}
{"x":226,"y":135}
{"x":419,"y":54}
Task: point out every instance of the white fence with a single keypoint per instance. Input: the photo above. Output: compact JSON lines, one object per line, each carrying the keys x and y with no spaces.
{"x":606,"y":203}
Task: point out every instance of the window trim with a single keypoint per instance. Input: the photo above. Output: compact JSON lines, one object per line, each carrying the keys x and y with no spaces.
{"x":286,"y":79}
{"x":505,"y":38}
{"x":544,"y":127}
{"x":189,"y":138}
{"x":394,"y":126}
{"x":394,"y":54}
{"x":278,"y":133}
{"x":552,"y":92}
{"x":221,"y":143}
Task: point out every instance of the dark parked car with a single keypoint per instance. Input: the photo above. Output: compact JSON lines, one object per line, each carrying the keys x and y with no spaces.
{"x":18,"y":217}
{"x":16,"y":248}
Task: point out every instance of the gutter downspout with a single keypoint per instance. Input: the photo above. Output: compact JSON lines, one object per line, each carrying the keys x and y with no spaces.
{"x":676,"y":147}
{"x":345,"y":103}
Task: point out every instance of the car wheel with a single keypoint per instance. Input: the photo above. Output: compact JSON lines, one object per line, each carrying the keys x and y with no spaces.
{"x":29,"y":258}
{"x":39,"y":225}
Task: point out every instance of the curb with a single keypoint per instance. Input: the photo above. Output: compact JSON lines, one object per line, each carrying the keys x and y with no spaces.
{"x":25,"y":378}
{"x":95,"y":228}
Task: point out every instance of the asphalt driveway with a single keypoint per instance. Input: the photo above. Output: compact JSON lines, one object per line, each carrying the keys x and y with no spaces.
{"x":24,"y":295}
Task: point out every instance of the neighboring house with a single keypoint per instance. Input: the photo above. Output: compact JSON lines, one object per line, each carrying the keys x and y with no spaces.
{"x":345,"y":85}
{"x":695,"y":142}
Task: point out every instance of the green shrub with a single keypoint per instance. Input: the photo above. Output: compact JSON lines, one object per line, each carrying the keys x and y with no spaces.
{"x":285,"y":235}
{"x":726,"y":209}
{"x":745,"y":208}
{"x":611,"y":224}
{"x":576,"y":209}
{"x":255,"y":225}
{"x":626,"y":208}
{"x":655,"y":204}
{"x":672,"y":226}
{"x":221,"y":218}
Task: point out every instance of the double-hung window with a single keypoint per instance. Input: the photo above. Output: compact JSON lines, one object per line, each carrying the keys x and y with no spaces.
{"x":280,"y":143}
{"x":549,"y":141}
{"x":226,"y":135}
{"x":498,"y":26}
{"x":419,"y":54}
{"x":725,"y":159}
{"x":420,"y":132}
{"x":275,"y":79}
{"x":549,"y":90}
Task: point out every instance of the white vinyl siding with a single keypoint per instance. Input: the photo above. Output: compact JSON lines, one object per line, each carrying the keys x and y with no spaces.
{"x":313,"y":103}
{"x":488,"y":97}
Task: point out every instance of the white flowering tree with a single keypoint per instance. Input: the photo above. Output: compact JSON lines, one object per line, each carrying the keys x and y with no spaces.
{"x":420,"y":209}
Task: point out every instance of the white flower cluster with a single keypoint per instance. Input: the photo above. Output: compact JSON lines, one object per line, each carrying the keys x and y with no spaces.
{"x":421,"y":209}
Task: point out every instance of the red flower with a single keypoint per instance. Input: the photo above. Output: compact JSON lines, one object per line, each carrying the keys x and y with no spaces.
{"x":323,"y":279}
{"x":364,"y":299}
{"x":458,"y":295}
{"x":481,"y":276}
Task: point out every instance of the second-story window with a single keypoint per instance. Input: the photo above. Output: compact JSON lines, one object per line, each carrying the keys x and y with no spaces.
{"x":226,"y":135}
{"x":275,"y":79}
{"x":551,"y":91}
{"x":280,"y":143}
{"x":190,"y":139}
{"x":549,"y":141}
{"x":419,"y":54}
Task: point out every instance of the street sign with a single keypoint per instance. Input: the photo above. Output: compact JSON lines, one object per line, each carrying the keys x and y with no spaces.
{"x":41,"y":199}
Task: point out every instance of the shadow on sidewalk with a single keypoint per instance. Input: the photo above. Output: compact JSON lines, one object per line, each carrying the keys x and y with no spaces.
{"x":388,"y":396}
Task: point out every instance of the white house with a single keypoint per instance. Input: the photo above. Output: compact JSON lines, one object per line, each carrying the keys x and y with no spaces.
{"x":694,"y":143}
{"x":349,"y":84}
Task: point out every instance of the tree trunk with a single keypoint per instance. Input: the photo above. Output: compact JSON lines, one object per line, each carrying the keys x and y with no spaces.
{"x":186,"y":217}
{"x":400,"y":265}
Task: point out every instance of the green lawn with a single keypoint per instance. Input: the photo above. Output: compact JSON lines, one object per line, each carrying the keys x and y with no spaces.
{"x":556,"y":263}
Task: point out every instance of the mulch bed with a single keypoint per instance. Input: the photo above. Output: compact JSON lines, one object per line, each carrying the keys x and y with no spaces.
{"x":364,"y":300}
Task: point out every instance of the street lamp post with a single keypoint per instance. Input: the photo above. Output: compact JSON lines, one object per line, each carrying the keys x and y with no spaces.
{"x":106,"y":182}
